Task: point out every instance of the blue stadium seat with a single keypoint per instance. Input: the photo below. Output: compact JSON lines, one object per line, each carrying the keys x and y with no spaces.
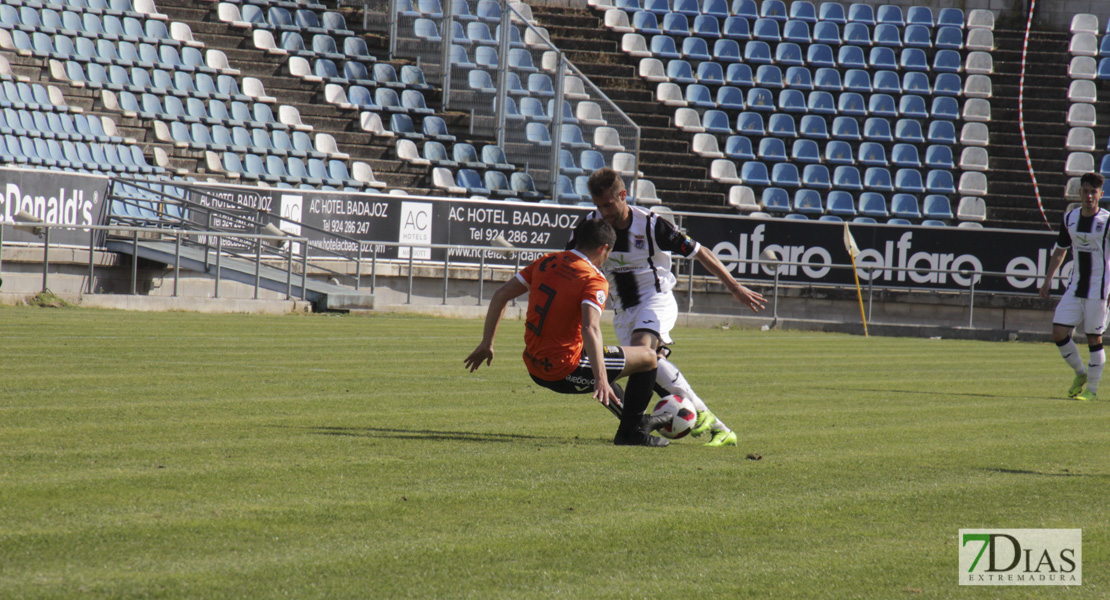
{"x":696,"y":49}
{"x":676,"y":24}
{"x":948,"y":84}
{"x":755,"y":173}
{"x":833,"y":12}
{"x":891,"y":14}
{"x":904,"y":206}
{"x":950,"y":38}
{"x":739,"y":147}
{"x":937,"y":207}
{"x":857,"y":33}
{"x":827,"y":79}
{"x":480,"y":81}
{"x":872,"y":204}
{"x":773,"y":9}
{"x":917,"y":36}
{"x":699,"y":96}
{"x":913,"y":107}
{"x":775,"y":200}
{"x":816,"y":177}
{"x":710,"y":73}
{"x":768,"y":76}
{"x":953,"y":17}
{"x":851,"y":57}
{"x":539,"y":84}
{"x":726,"y":51}
{"x":792,"y":101}
{"x":796,"y":31}
{"x":839,"y":152}
{"x":736,"y":28}
{"x":821,"y":103}
{"x":813,"y":127}
{"x":771,"y":150}
{"x":841,"y":203}
{"x":808,"y":201}
{"x":872,"y":154}
{"x":803,"y":10}
{"x":766,"y":30}
{"x":715,"y":8}
{"x":888,"y":35}
{"x":757,"y":53}
{"x":847,"y":177}
{"x":799,"y":78}
{"x":645,"y":23}
{"x":909,"y":131}
{"x":941,"y":132}
{"x":745,"y":8}
{"x":948,"y":61}
{"x":878,"y":179}
{"x":663,"y":47}
{"x":686,"y":7}
{"x":782,"y":125}
{"x":761,"y":99}
{"x":750,"y":123}
{"x":846,"y":128}
{"x":905,"y":155}
{"x":919,"y":15}
{"x":861,"y":13}
{"x":827,"y":32}
{"x":820,"y":55}
{"x":940,"y":182}
{"x":716,"y":121}
{"x":730,"y":98}
{"x":707,"y":26}
{"x":659,"y":7}
{"x":789,"y":54}
{"x":909,"y":181}
{"x":532,"y":110}
{"x":939,"y":157}
{"x":739,"y":75}
{"x":857,"y":80}
{"x":679,"y":71}
{"x":913,"y":59}
{"x":805,"y":151}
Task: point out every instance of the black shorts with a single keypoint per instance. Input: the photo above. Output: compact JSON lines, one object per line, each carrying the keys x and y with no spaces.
{"x":581,"y":379}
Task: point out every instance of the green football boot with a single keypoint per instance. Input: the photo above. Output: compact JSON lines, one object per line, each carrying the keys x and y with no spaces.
{"x":722,"y":438}
{"x":1087,"y":396}
{"x":704,"y":422}
{"x":1077,"y":385}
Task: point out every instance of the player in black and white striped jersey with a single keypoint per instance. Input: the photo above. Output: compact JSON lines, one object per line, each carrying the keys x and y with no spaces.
{"x":641,"y":284}
{"x":1086,"y":232}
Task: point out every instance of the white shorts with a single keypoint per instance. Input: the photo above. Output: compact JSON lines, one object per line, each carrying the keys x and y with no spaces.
{"x":1072,"y":311}
{"x":656,"y":313}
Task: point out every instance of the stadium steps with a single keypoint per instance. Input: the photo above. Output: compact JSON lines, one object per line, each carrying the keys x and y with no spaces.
{"x":323,"y":295}
{"x":1012,"y":201}
{"x":681,"y":177}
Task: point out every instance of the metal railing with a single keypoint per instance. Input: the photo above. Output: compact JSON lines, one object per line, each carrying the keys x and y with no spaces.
{"x":517,"y":88}
{"x":282,"y":244}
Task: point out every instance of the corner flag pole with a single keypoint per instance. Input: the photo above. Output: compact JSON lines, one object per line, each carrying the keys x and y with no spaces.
{"x":853,"y":250}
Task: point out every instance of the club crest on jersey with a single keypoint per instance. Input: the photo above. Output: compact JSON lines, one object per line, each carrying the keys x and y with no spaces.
{"x":601,"y":297}
{"x":638,"y":242}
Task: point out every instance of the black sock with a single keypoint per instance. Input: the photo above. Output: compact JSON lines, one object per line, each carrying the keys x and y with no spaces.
{"x":637,"y":396}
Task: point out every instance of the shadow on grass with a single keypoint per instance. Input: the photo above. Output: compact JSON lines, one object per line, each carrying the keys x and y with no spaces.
{"x":1040,"y":473}
{"x":944,"y":392}
{"x":424,"y":434}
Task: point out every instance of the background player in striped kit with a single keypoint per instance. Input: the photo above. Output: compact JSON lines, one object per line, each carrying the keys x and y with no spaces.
{"x":1084,"y":231}
{"x":639,"y":273}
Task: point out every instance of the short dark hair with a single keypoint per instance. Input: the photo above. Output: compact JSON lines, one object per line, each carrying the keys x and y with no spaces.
{"x":1094,"y":180}
{"x":592,"y":234}
{"x":603,"y":180}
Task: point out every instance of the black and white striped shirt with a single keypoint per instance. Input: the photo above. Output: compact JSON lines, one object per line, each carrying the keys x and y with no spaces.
{"x":1087,"y":238}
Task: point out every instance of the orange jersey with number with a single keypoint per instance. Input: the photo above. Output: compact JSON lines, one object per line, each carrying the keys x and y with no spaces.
{"x":558,"y":285}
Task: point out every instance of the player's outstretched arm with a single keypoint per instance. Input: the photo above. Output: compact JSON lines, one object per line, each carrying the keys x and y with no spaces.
{"x":743,"y":295}
{"x":595,"y":351}
{"x":497,"y":304}
{"x":1053,"y":264}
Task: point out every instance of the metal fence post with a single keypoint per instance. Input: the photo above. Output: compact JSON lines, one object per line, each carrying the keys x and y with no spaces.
{"x":446,"y":269}
{"x":176,"y":262}
{"x":135,"y":262}
{"x":92,"y":249}
{"x":481,"y":277}
{"x":408,"y":298}
{"x":45,"y":258}
{"x":257,"y":265}
{"x":219,"y":255}
{"x":304,"y":270}
{"x":503,"y":72}
{"x":557,"y":127}
{"x":447,"y":35}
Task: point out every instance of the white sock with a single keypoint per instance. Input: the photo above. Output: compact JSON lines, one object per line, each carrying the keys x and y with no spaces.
{"x":1094,"y":370}
{"x":1070,"y":352}
{"x":670,"y":378}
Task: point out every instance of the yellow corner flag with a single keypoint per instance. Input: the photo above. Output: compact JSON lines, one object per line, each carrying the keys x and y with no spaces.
{"x":853,"y":250}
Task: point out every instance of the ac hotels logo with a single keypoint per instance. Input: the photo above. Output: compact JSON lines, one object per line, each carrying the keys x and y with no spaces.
{"x":1021,"y":557}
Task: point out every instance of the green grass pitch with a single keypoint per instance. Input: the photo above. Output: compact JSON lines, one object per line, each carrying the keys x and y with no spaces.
{"x":179,"y":455}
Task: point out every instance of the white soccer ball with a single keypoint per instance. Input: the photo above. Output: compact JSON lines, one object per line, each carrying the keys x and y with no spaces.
{"x":683,"y":415}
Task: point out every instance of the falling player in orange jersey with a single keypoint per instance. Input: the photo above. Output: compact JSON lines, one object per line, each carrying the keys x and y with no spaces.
{"x":563,"y":345}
